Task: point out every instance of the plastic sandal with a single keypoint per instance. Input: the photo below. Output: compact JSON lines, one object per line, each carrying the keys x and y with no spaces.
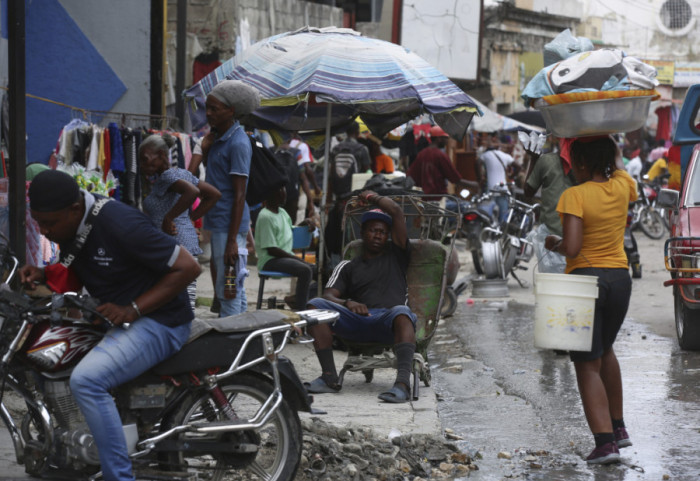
{"x":319,"y":386}
{"x":395,"y":395}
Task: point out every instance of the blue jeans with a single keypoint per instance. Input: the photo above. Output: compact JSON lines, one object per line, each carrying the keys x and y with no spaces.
{"x":229,"y":307}
{"x":503,"y":208}
{"x":122,"y":355}
{"x":377,"y":327}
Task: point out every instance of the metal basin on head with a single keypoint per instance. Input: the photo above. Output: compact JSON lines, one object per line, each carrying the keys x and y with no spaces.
{"x":597,"y":117}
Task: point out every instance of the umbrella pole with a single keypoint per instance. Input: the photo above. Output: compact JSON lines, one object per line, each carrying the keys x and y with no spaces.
{"x":326,"y":162}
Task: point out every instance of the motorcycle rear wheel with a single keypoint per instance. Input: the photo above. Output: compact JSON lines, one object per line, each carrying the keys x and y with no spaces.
{"x":476,"y":258}
{"x":278,"y":442}
{"x":651,"y":223}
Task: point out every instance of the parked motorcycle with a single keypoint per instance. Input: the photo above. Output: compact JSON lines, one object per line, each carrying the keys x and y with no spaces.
{"x":226,"y":403}
{"x":645,"y":215}
{"x":477,"y":215}
{"x":652,"y":189}
{"x":504,"y":247}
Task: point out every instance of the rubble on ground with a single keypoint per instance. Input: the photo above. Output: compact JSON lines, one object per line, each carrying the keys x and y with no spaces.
{"x":344,"y":453}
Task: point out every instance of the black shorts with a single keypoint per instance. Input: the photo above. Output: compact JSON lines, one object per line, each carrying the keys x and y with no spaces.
{"x":614,"y":290}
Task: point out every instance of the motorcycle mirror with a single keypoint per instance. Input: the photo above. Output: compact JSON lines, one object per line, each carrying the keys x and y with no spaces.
{"x":464,"y":193}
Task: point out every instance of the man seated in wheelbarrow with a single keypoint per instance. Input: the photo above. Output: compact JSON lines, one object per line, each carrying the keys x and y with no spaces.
{"x":370,"y":293}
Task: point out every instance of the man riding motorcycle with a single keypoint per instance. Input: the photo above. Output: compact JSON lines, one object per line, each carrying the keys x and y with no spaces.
{"x":139,"y":273}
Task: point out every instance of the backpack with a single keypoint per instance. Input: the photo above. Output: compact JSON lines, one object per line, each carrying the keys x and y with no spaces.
{"x":287,"y":158}
{"x":266,"y":174}
{"x":343,"y":167}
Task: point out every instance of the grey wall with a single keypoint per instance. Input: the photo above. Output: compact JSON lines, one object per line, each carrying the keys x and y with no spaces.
{"x":121,"y":33}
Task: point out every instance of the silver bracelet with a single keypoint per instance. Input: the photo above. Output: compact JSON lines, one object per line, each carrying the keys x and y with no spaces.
{"x":136,"y":308}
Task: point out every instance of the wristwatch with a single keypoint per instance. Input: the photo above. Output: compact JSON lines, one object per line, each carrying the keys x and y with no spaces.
{"x":345,"y":302}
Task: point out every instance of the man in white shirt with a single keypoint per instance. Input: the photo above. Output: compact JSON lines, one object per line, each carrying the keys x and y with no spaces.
{"x":634,"y":167}
{"x":307,"y":179}
{"x":491,"y":173}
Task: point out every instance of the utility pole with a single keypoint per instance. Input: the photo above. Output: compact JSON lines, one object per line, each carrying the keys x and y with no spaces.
{"x":18,"y":127}
{"x":180,"y":58}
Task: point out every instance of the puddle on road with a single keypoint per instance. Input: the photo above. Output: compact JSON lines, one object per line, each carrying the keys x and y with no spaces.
{"x":501,"y":395}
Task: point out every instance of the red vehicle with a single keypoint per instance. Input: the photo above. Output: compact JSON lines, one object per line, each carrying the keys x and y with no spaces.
{"x":682,"y":249}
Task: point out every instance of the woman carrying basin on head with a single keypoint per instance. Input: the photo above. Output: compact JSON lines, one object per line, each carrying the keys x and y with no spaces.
{"x":594,"y":213}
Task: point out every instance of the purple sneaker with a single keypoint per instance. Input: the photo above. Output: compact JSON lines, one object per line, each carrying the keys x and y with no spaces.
{"x":606,"y":454}
{"x":622,"y":439}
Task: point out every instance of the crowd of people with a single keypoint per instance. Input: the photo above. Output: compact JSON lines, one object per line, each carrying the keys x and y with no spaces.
{"x":142,"y":264}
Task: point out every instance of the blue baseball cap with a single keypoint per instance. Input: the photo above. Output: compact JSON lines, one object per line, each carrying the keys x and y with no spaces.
{"x":377,"y":214}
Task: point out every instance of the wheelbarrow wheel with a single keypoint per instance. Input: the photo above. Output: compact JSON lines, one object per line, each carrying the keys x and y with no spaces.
{"x":369,"y":375}
{"x":423,"y":373}
{"x":449,"y":305}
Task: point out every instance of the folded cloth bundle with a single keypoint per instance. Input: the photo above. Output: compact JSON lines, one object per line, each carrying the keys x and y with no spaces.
{"x":598,"y":70}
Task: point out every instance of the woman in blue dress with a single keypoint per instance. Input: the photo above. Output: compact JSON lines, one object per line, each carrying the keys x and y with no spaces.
{"x":173,"y":192}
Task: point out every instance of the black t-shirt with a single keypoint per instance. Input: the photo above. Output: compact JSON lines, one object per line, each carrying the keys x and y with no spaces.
{"x":377,"y":282}
{"x":124,"y":256}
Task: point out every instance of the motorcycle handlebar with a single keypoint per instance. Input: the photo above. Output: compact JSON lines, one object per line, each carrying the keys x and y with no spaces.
{"x":314,"y":317}
{"x":527,"y":207}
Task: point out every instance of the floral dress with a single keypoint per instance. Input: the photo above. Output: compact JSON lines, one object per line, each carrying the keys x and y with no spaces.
{"x":160,"y":201}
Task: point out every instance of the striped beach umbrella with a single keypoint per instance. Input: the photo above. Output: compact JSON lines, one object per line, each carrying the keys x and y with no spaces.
{"x":320,"y":79}
{"x":299,"y":74}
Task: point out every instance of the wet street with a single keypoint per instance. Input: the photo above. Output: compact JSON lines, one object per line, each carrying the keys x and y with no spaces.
{"x":518,"y":406}
{"x":517,"y":410}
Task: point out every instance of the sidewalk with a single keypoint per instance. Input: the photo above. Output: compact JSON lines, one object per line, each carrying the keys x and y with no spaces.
{"x":357,"y":404}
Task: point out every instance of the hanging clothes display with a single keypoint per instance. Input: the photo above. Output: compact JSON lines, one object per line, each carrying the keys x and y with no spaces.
{"x":664,"y":125}
{"x":112,"y":153}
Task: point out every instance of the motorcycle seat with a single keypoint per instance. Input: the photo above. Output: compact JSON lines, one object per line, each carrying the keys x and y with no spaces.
{"x":216,"y":342}
{"x":212,"y":349}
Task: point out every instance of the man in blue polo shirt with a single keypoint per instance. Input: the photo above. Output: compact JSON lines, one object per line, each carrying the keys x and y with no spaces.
{"x":139,"y":273}
{"x":371,"y":294}
{"x":228,"y":151}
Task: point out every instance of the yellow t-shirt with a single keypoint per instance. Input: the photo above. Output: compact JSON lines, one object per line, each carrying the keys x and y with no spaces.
{"x":603,"y":208}
{"x":657,"y":168}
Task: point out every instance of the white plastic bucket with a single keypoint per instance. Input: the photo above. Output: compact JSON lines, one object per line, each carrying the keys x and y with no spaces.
{"x":564,"y":311}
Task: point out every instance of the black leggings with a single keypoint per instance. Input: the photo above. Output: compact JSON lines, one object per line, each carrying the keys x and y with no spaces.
{"x":295,"y":268}
{"x":614,"y":290}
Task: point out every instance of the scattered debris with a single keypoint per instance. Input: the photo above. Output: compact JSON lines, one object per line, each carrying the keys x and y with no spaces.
{"x":340,"y":453}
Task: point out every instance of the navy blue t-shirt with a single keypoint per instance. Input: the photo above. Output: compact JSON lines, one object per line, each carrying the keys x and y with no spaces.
{"x":124,"y":256}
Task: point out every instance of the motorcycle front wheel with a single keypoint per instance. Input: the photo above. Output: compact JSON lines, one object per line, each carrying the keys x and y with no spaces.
{"x":271,"y":453}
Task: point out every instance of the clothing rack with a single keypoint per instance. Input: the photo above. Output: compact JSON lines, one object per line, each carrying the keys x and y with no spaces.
{"x":124,"y":119}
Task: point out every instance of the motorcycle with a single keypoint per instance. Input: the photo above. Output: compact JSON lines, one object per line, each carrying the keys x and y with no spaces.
{"x":504,"y":247}
{"x":226,"y":403}
{"x":645,"y":214}
{"x":652,"y":188}
{"x":476,"y":215}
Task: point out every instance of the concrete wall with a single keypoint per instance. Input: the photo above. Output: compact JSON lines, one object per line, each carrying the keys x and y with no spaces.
{"x":512,"y":48}
{"x":219,"y":24}
{"x":121,"y":33}
{"x":505,"y":87}
{"x":91,"y":55}
{"x":569,"y":8}
{"x":633,"y":25}
{"x":640,"y":32}
{"x":381,"y":29}
{"x":445,"y":33}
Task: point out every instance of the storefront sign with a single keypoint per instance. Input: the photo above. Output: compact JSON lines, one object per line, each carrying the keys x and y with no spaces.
{"x":664,"y":70}
{"x":686,"y":74}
